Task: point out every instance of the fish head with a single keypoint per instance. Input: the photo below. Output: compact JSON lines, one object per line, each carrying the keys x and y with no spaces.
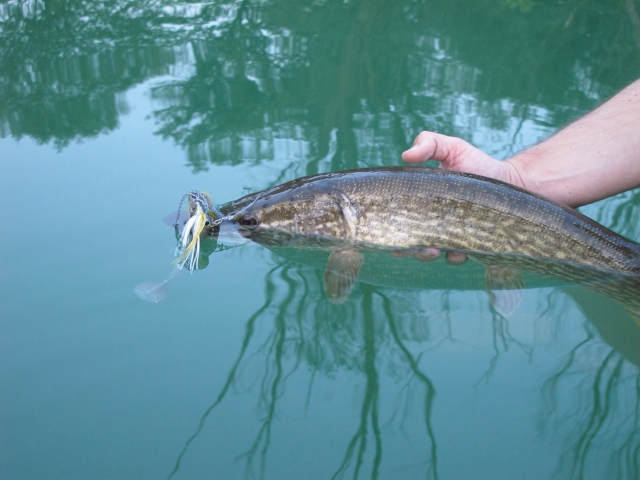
{"x":306,"y":211}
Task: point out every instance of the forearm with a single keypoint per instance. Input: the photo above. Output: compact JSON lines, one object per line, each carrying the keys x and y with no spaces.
{"x":593,"y":158}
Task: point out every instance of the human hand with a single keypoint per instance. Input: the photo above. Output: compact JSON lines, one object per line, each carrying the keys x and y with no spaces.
{"x":456,"y":154}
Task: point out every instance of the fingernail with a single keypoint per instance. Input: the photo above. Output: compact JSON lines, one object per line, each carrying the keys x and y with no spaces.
{"x":427,"y":254}
{"x":456,"y":258}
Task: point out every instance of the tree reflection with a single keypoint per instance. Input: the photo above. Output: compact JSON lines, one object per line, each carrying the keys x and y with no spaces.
{"x":359,"y":95}
{"x":64,"y":65}
{"x":591,"y":400}
{"x":369,"y":409}
{"x":300,"y":334}
{"x":231,"y":377}
{"x":501,"y":341}
{"x":430,"y":391}
{"x":604,"y":418}
{"x":346,"y":84}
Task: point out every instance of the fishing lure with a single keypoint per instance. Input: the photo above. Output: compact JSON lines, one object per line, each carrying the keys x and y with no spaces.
{"x":202,"y":213}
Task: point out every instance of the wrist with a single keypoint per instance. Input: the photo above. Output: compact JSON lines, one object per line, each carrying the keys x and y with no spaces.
{"x":519,"y":171}
{"x":539,"y":171}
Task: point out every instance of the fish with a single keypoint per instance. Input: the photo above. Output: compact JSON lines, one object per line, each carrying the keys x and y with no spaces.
{"x":504,"y":227}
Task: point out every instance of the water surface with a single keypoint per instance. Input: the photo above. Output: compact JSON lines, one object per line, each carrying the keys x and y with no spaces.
{"x":111,"y":111}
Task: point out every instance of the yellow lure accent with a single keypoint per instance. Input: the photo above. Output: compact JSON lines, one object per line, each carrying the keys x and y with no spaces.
{"x":189,"y":247}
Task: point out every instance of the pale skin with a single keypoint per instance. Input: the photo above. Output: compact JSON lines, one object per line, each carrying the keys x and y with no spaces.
{"x":593,"y":158}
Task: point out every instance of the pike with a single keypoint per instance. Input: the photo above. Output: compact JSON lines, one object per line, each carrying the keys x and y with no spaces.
{"x":504,"y":227}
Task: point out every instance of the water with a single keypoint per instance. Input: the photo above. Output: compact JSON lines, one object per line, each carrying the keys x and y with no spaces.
{"x":111,"y":111}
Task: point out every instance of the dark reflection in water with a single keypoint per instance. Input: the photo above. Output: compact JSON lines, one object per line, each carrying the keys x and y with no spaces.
{"x":351,"y":340}
{"x":317,"y":86}
{"x":603,"y":414}
{"x":591,"y":399}
{"x":64,"y":65}
{"x":274,"y":80}
{"x":348,"y":83}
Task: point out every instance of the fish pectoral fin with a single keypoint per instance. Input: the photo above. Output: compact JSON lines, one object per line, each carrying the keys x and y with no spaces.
{"x":504,"y":286}
{"x":341,"y":274}
{"x":350,"y":212}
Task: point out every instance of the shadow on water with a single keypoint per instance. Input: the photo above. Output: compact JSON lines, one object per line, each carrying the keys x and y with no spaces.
{"x":591,"y":400}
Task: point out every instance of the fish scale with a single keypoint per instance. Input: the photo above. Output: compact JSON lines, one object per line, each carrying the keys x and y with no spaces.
{"x":404,"y":207}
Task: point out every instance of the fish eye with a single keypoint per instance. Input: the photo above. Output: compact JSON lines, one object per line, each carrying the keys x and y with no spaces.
{"x":248,"y":220}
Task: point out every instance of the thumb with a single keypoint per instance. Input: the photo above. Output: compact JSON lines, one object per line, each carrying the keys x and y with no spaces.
{"x":435,"y":146}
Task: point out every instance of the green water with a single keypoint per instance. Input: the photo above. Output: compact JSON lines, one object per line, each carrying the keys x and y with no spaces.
{"x":110,"y":111}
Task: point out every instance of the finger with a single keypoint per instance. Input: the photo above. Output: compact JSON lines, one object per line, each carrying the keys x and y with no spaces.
{"x":456,"y":258}
{"x":435,"y":146}
{"x":455,"y":154}
{"x":427,"y":254}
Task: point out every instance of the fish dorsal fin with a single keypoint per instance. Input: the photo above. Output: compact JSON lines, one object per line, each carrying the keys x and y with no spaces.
{"x":350,"y":213}
{"x":341,"y":273}
{"x":504,"y":286}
